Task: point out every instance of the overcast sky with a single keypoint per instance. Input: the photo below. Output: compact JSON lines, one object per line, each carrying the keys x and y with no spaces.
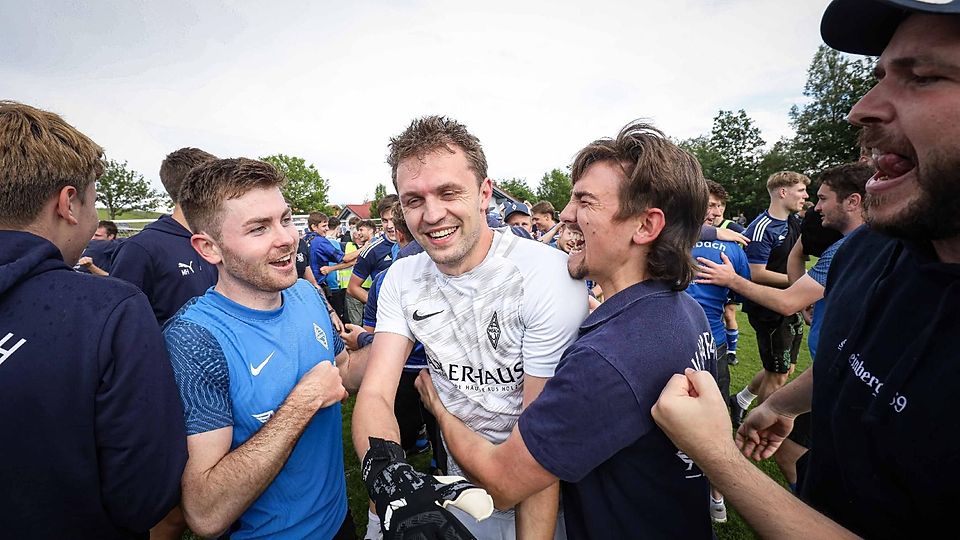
{"x":332,"y":81}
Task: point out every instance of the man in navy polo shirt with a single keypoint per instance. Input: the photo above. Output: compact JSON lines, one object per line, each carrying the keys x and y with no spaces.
{"x":631,"y":480}
{"x":885,"y":435}
{"x":160,"y":260}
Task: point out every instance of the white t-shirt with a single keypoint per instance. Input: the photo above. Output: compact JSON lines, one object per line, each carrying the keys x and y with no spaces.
{"x":514,"y":314}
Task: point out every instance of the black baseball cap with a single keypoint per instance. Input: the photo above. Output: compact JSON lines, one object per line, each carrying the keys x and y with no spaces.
{"x":866,"y":26}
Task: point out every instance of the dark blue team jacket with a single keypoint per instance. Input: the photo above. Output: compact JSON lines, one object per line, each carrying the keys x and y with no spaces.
{"x":93,"y":441}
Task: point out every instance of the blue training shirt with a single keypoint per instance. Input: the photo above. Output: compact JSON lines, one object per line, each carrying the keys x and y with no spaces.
{"x":374,"y":258}
{"x":712,"y":298}
{"x":235,"y":366}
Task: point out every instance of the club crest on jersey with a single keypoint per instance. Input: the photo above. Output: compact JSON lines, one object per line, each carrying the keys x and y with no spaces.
{"x":493,"y":331}
{"x":320,"y":335}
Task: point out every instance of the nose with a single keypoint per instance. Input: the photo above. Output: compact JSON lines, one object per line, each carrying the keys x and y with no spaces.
{"x":873,"y":108}
{"x":569,"y":213}
{"x":433,"y":211}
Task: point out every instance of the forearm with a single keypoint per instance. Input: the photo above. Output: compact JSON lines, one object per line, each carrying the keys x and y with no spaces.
{"x":770,"y":510}
{"x":778,"y":300}
{"x":763,"y":276}
{"x":214,"y":499}
{"x":795,"y":397}
{"x":357,"y":292}
{"x":342,"y":266}
{"x":96,"y":270}
{"x":796,"y":263}
{"x":372,"y":417}
{"x":548,"y":236}
{"x":536,"y":516}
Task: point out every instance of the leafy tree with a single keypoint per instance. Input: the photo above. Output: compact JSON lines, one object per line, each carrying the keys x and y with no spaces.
{"x":121,"y":190}
{"x":378,"y":193}
{"x":517,"y":188}
{"x":555,"y":186}
{"x":835,"y":82}
{"x":732,"y":155}
{"x":306,"y":190}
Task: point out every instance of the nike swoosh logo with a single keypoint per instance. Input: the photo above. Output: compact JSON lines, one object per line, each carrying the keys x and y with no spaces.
{"x":256,"y":370}
{"x":418,"y":317}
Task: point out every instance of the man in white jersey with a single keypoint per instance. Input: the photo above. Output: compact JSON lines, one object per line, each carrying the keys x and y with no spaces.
{"x":493,"y":311}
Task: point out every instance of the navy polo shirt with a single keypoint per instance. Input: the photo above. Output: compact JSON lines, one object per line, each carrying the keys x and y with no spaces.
{"x":591,"y":426}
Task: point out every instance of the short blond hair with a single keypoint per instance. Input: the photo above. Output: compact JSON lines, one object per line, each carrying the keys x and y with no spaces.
{"x":40,"y":154}
{"x":785,"y":179}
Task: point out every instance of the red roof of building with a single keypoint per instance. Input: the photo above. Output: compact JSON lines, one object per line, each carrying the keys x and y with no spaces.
{"x":361,"y":210}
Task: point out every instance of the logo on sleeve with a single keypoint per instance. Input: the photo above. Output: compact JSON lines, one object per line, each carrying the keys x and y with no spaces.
{"x":320,"y":335}
{"x":493,"y":331}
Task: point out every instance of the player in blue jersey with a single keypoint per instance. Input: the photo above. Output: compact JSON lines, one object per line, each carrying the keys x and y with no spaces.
{"x":772,"y":235}
{"x":714,"y":300}
{"x":716,"y":209}
{"x":260,"y":369}
{"x":377,"y":255}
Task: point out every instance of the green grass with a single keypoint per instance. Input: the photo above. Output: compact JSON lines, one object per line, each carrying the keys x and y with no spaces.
{"x":133,"y":214}
{"x":734,"y":529}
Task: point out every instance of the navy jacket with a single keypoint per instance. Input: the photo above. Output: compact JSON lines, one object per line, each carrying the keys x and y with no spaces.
{"x":94,"y":442}
{"x":160,"y":261}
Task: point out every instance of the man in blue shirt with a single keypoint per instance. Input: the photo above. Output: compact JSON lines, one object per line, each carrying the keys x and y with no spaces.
{"x":97,"y":258}
{"x":159,"y":259}
{"x":629,"y":480}
{"x":377,"y":255}
{"x":261,"y":371}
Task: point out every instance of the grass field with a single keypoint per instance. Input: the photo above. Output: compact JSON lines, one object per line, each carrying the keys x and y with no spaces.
{"x":740,"y":375}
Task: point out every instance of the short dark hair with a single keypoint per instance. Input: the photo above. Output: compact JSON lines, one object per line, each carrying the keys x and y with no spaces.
{"x":333,"y":222}
{"x":432,"y":134}
{"x":40,"y":154}
{"x":717,"y":190}
{"x":366,"y":223}
{"x":847,"y":179}
{"x":109,"y":226}
{"x":176,"y":166}
{"x":656,"y":174}
{"x":353,"y":221}
{"x":386,"y":203}
{"x":316,"y":218}
{"x":399,"y":222}
{"x":208,"y":185}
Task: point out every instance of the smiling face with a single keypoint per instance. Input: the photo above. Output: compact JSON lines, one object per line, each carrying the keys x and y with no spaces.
{"x":444,"y":208}
{"x":603,"y":240}
{"x":521,"y":220}
{"x":257,"y":244}
{"x":911,"y":120}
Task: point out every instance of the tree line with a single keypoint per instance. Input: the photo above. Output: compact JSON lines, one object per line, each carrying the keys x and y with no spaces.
{"x":733,"y":153}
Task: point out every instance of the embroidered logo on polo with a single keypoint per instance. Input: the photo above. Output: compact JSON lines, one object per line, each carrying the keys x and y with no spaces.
{"x":418,"y":317}
{"x":320,"y":335}
{"x":493,"y":331}
{"x":186,"y":269}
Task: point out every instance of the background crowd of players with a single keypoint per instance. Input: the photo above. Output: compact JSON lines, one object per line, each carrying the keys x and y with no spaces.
{"x":502,"y":343}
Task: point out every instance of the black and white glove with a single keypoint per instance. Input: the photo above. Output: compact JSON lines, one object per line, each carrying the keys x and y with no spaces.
{"x":414,"y":505}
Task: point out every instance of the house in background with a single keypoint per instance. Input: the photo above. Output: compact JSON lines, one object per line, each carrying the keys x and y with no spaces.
{"x":361,"y":211}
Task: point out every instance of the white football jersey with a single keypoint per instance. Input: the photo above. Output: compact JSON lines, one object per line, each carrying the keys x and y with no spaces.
{"x":514,"y":314}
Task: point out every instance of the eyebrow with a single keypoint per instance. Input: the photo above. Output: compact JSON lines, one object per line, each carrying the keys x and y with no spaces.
{"x":579,"y":194}
{"x":910,"y":62}
{"x":265,"y":219}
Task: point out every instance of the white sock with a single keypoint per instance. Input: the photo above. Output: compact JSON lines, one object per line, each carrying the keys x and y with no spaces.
{"x":373,"y":527}
{"x":745,"y":398}
{"x":716,"y":501}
